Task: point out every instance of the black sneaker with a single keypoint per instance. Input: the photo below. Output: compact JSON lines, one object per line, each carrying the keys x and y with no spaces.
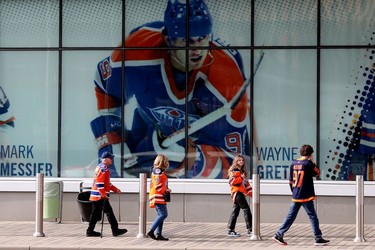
{"x":249,"y":233}
{"x":321,"y":242}
{"x":119,"y":232}
{"x":92,"y":234}
{"x":279,"y":240}
{"x":233,"y":234}
{"x":152,"y":235}
{"x":161,"y":237}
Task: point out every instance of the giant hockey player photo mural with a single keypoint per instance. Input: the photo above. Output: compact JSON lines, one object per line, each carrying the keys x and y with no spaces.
{"x":170,"y":88}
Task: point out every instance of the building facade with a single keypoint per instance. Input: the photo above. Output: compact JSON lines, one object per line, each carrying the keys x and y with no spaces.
{"x":308,"y":66}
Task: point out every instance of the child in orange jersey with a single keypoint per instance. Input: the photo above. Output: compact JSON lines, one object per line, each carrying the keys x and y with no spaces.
{"x":240,"y":187}
{"x":159,"y":186}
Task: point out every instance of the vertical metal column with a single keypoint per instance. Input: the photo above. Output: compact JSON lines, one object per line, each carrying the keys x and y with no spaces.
{"x":39,"y":205}
{"x":119,"y":207}
{"x":142,"y":205}
{"x":256,"y":208}
{"x":359,"y":210}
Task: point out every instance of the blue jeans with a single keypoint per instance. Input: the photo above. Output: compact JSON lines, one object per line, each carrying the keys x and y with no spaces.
{"x":292,"y":214}
{"x":162,"y":214}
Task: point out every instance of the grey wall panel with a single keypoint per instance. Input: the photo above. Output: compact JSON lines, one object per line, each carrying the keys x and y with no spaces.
{"x":18,"y":206}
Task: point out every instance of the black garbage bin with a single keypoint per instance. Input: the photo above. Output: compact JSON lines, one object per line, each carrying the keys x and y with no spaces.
{"x":84,"y":205}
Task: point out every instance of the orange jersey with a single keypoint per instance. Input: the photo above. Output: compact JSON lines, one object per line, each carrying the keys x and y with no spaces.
{"x":159,"y":182}
{"x":238,"y":184}
{"x":102,"y":185}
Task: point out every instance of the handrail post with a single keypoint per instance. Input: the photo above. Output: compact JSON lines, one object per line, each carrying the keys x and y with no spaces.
{"x":39,"y":205}
{"x":142,"y":205}
{"x":359,"y":210}
{"x":256,"y":208}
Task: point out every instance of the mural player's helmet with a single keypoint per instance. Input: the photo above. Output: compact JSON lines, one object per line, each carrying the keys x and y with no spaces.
{"x":200,"y":20}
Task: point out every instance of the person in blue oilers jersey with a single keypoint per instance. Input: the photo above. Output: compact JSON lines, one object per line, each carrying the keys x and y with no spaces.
{"x":302,"y":171}
{"x":172,"y":88}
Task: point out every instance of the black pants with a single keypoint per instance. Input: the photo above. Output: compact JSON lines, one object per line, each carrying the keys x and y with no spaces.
{"x":240,"y":203}
{"x":96,"y":214}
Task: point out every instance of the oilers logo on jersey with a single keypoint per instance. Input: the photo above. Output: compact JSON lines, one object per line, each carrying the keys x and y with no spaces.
{"x":171,"y":117}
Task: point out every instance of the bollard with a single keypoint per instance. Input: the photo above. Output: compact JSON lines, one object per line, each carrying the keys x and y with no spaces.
{"x":256,"y":208}
{"x":119,"y":207}
{"x":359,"y":210}
{"x":142,"y":205}
{"x":39,"y":205}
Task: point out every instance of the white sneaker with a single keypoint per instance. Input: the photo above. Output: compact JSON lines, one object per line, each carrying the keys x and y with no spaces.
{"x":233,"y":234}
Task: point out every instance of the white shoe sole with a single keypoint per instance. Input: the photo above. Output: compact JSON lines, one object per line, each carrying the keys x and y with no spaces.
{"x":321,"y":244}
{"x":234,"y":236}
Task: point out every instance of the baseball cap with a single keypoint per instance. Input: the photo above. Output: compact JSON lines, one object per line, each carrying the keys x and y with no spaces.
{"x":107,"y":154}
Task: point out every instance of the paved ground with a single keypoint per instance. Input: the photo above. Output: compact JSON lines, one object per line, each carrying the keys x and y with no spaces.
{"x":183,"y":236}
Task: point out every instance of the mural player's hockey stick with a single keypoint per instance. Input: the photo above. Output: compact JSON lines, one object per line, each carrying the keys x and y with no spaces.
{"x":213,"y":116}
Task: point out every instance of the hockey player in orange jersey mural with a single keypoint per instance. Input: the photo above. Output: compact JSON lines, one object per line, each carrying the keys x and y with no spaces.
{"x":201,"y":88}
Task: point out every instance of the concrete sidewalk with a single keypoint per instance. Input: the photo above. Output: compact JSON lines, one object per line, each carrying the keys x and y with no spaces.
{"x":183,"y":236}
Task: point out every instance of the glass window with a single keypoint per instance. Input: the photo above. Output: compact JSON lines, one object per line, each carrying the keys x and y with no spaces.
{"x":348,"y":114}
{"x":29,"y":109}
{"x":225,"y":22}
{"x":33,"y":23}
{"x":231,"y":21}
{"x":347,"y":22}
{"x":140,"y":12}
{"x":285,"y":22}
{"x":91,"y":23}
{"x":79,"y":150}
{"x":218,"y":115}
{"x":285,"y":99}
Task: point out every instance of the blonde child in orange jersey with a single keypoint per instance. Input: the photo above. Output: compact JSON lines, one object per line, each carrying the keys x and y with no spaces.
{"x":159,"y":186}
